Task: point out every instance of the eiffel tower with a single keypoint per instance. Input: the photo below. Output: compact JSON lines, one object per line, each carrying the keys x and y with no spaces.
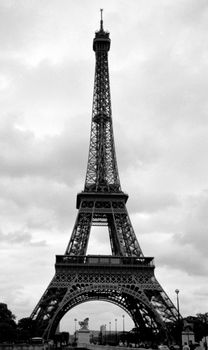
{"x":126,"y":277}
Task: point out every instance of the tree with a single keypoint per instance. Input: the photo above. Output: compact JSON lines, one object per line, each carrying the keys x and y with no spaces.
{"x":26,"y":329}
{"x":5,"y":314}
{"x":200,"y":325}
{"x":203,"y":318}
{"x":7,"y":324}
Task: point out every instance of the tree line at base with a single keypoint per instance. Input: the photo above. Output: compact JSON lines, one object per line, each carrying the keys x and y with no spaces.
{"x":26,"y":328}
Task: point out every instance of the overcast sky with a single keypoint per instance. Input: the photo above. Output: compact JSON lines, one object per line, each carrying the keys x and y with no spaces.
{"x":159,"y":84}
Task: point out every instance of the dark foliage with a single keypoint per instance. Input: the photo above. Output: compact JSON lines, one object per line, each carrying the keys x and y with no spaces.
{"x":7,"y":324}
{"x":26,"y":329}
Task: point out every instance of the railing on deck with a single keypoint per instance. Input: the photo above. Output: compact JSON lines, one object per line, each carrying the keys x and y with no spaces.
{"x":104,"y":260}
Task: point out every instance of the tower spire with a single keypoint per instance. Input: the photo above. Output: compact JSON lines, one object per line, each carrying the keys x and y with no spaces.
{"x":101,"y":19}
{"x":102,"y":172}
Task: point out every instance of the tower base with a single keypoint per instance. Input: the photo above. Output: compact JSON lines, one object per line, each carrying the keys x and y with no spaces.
{"x":128,"y":282}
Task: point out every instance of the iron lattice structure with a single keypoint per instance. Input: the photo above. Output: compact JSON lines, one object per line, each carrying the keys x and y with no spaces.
{"x":125,"y":278}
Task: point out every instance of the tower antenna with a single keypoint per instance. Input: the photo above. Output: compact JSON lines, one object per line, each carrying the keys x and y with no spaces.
{"x":101,"y":19}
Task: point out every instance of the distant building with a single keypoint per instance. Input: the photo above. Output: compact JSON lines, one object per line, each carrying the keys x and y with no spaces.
{"x":103,"y":328}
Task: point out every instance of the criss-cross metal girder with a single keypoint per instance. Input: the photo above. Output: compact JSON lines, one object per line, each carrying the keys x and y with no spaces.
{"x":103,"y":202}
{"x":125,"y":278}
{"x":104,"y":209}
{"x":127,"y":282}
{"x":102,"y":171}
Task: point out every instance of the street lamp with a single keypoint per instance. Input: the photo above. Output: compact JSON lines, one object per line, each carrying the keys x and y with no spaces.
{"x":177,"y":292}
{"x":116,"y":328}
{"x":75,"y":329}
{"x":109,"y":332}
{"x":123,"y":328}
{"x":123,"y":323}
{"x":178,"y":309}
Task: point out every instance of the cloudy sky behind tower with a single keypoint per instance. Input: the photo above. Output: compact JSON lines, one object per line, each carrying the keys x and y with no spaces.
{"x":159,"y":85}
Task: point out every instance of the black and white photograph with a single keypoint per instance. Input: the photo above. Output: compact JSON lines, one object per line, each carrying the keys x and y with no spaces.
{"x":103,"y":174}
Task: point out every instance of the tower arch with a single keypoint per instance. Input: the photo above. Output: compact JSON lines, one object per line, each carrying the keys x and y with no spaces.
{"x":120,"y":297}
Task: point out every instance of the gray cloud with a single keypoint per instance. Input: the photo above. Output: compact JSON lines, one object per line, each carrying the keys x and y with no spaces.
{"x":186,"y":259}
{"x":20,"y":237}
{"x":17,"y":25}
{"x":58,"y":157}
{"x":153,"y":202}
{"x":196,"y":223}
